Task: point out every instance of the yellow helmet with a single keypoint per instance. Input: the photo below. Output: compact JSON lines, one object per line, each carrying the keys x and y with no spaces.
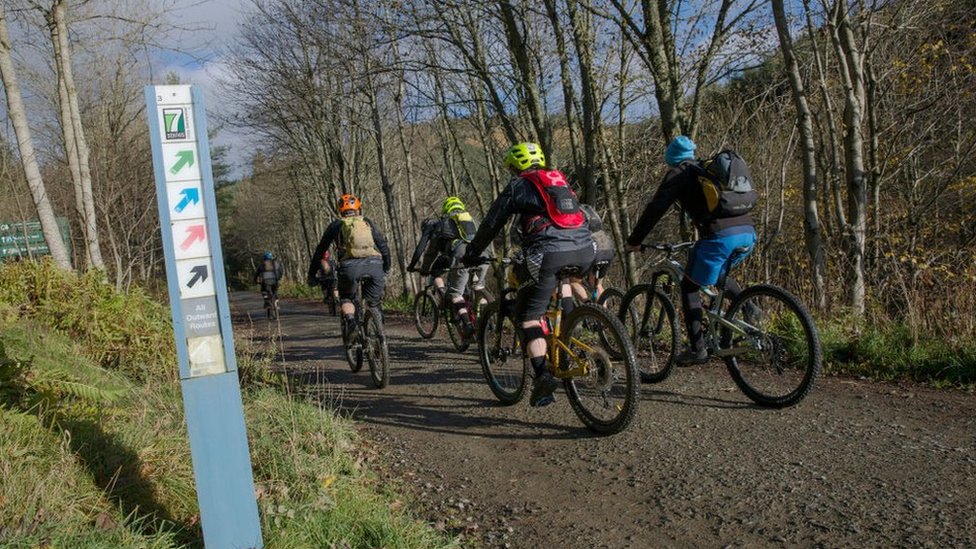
{"x":523,"y":156}
{"x":452,"y":203}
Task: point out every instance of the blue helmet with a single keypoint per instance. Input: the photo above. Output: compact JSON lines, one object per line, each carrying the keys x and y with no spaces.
{"x":268,"y":255}
{"x":680,"y":149}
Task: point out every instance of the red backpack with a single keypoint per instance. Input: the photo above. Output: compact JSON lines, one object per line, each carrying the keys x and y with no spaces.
{"x":562,"y":206}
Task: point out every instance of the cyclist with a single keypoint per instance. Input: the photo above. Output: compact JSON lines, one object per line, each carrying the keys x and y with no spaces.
{"x":268,"y":275}
{"x":719,"y":236}
{"x":605,"y":253}
{"x":446,"y":240}
{"x":554,"y":236}
{"x":326,"y":277}
{"x":431,"y":258}
{"x":362,"y":253}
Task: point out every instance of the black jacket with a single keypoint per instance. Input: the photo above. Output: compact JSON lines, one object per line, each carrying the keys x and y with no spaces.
{"x":521,"y":198}
{"x":681,"y":185}
{"x":333,"y":233}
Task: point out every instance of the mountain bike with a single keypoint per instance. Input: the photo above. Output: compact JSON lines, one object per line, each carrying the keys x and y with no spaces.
{"x":431,"y":304}
{"x":600,"y":380}
{"x":369,"y":342}
{"x":765,"y":334}
{"x":270,"y":296}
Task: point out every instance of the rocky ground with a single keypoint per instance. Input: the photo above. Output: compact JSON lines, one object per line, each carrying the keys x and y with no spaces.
{"x":857,"y":464}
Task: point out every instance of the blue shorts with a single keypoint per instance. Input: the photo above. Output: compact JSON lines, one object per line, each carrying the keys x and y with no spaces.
{"x":709,"y":255}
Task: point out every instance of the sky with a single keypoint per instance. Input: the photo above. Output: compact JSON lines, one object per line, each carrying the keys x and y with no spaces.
{"x":218,"y":23}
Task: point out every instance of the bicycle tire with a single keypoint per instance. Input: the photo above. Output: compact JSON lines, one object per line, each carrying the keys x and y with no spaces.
{"x":426,"y":314}
{"x":502,"y":362}
{"x":606,"y":378}
{"x":460,"y":343}
{"x":377,"y":351}
{"x":610,"y":299}
{"x":767,"y":374}
{"x":354,"y":351}
{"x":655,"y":346}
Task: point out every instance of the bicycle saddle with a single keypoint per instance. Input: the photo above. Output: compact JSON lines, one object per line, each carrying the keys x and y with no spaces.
{"x":569,"y":271}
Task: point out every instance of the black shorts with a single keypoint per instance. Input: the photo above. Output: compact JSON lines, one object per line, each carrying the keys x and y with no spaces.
{"x":537,"y":277}
{"x":370,"y":270}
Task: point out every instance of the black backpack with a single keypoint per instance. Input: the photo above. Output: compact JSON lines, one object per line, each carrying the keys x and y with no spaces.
{"x":727,"y":185}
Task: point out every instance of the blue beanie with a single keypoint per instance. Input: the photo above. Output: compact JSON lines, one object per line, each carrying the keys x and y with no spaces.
{"x":679,"y":150}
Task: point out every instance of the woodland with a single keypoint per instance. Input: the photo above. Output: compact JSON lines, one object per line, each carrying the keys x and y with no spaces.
{"x":857,"y":118}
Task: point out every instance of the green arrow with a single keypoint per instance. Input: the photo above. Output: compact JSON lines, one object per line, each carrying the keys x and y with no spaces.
{"x":183,"y":158}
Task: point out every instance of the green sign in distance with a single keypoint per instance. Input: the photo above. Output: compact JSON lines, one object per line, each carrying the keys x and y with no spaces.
{"x":26,"y":239}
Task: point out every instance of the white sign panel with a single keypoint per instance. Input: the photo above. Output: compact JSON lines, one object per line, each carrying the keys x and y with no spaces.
{"x":181,"y":162}
{"x":185,"y":200}
{"x":190,"y":239}
{"x":206,"y":355}
{"x":195,"y":277}
{"x":173,"y":95}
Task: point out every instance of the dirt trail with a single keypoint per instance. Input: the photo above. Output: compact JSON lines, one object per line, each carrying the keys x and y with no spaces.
{"x":857,"y":464}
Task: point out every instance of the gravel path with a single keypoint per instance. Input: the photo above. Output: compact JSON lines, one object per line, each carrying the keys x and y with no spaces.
{"x":856,"y":464}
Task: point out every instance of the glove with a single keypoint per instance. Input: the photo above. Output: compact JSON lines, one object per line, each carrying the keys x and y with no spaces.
{"x":411,"y":269}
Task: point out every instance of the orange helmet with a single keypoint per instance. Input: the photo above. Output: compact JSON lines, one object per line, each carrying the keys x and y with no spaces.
{"x":348,"y":203}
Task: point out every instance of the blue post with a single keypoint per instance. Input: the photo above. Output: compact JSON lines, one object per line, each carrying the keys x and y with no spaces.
{"x":201,"y":317}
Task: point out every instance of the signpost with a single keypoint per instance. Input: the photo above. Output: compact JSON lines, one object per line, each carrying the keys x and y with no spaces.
{"x":27,"y":239}
{"x":201,"y":317}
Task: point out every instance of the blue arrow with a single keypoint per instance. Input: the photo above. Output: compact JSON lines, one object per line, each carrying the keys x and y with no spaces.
{"x":190,"y":194}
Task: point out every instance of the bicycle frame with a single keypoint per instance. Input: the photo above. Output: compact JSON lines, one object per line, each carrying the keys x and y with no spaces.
{"x":554,"y":344}
{"x":671,"y":268}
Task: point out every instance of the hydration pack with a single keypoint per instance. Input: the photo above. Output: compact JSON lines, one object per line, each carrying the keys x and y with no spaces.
{"x":357,"y":238}
{"x":269,"y":272}
{"x":562,"y":206}
{"x":460,"y":226}
{"x":727,"y":185}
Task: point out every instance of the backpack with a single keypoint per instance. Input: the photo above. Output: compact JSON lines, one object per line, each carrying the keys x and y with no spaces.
{"x":593,"y":219}
{"x":562,"y":206}
{"x":727,"y":185}
{"x":269,"y":272}
{"x":357,"y":238}
{"x":460,"y":226}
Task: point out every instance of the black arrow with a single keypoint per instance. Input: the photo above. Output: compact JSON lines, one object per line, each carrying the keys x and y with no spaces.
{"x":199,"y":273}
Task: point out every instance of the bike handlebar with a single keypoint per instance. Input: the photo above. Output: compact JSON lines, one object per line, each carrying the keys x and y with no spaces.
{"x":669,"y":248}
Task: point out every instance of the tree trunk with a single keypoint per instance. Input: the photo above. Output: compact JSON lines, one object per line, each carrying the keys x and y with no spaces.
{"x":59,"y":35}
{"x":811,"y":218}
{"x":18,"y":118}
{"x":519,"y":49}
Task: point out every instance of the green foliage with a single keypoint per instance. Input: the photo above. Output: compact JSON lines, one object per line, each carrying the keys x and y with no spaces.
{"x":129,"y":332}
{"x":313,"y":490}
{"x":293,"y":289}
{"x":398,"y":303}
{"x":890,"y":352}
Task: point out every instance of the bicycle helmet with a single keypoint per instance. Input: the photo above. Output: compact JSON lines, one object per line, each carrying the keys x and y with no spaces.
{"x":268,"y":255}
{"x":523,"y":156}
{"x":451,"y":204}
{"x":348,"y":204}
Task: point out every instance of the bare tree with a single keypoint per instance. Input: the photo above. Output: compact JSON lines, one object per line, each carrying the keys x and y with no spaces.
{"x":18,"y":117}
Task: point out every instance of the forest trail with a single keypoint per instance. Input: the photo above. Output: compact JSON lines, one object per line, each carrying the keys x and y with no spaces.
{"x":858,"y":463}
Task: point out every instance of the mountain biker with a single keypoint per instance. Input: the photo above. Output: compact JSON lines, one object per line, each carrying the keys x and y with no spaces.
{"x":362,"y":253}
{"x":605,"y":253}
{"x":326,"y":277}
{"x":719,"y":236}
{"x":554,"y":236}
{"x":268,"y":274}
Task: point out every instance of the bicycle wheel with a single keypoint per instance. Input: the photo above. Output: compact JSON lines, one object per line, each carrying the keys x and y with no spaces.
{"x":426,"y":314}
{"x":377,"y":352}
{"x":455,"y":331}
{"x":605,"y":395}
{"x":774,"y":353}
{"x":650,"y":320}
{"x":354,"y":351}
{"x":500,"y":353}
{"x":611,"y":299}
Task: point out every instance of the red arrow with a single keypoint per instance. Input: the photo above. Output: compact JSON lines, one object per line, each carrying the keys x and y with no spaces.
{"x":196,"y":232}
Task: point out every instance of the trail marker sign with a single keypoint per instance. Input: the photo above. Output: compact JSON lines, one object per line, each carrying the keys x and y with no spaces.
{"x":201,"y":317}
